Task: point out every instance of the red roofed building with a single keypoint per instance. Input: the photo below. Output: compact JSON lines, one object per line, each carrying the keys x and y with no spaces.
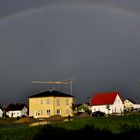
{"x":108,"y":102}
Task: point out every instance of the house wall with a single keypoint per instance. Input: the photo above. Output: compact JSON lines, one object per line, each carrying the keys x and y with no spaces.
{"x":14,"y":114}
{"x":136,"y":106}
{"x":128,"y":105}
{"x":101,"y":108}
{"x":24,"y":111}
{"x":116,"y":107}
{"x":43,"y":107}
{"x":1,"y":113}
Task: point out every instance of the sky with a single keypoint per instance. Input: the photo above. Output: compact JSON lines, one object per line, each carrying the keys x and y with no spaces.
{"x":96,"y":42}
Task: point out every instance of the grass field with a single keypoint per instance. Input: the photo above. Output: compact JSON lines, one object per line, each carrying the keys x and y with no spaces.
{"x":112,"y":127}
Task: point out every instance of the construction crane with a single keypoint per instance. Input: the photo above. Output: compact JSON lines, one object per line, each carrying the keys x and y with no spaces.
{"x":62,"y":82}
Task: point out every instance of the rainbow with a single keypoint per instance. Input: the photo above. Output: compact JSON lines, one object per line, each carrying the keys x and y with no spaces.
{"x":112,"y":8}
{"x":19,"y":14}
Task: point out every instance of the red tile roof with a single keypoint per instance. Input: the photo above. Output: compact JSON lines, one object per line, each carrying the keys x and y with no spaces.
{"x":104,"y":98}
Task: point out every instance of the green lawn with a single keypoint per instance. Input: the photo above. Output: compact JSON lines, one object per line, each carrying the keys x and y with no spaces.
{"x":115,"y":124}
{"x":112,"y":127}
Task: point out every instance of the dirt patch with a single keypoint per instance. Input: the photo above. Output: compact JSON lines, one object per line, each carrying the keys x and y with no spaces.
{"x":25,"y":120}
{"x":83,"y":115}
{"x":55,"y":118}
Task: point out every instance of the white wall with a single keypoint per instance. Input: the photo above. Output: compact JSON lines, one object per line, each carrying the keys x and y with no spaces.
{"x":136,"y":106}
{"x":24,"y":111}
{"x":118,"y":106}
{"x":1,"y":112}
{"x":128,"y":104}
{"x":101,"y":108}
{"x":14,"y":114}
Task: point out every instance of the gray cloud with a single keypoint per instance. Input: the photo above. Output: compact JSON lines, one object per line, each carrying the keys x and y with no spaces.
{"x":99,"y":46}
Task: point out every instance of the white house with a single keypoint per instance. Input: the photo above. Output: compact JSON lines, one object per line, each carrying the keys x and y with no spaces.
{"x":136,"y":106}
{"x":17,"y":111}
{"x":130,"y":105}
{"x":109,"y":103}
{"x":1,"y":113}
{"x":84,"y":107}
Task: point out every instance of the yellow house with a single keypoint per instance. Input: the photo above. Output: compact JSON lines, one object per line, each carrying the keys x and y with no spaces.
{"x":128,"y":105}
{"x":49,"y":103}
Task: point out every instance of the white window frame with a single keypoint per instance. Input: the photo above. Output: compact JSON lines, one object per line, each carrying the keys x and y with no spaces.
{"x":48,"y":111}
{"x":47,"y":101}
{"x":67,"y":111}
{"x":58,"y":111}
{"x":67,"y":101}
{"x":41,"y":101}
{"x":41,"y":112}
{"x":36,"y":101}
{"x":58,"y":101}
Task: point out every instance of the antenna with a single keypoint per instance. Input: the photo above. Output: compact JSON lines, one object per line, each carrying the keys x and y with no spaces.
{"x":62,"y":82}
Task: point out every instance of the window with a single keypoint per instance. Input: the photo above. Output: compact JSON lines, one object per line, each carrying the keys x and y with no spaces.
{"x":67,"y":111}
{"x":58,"y":102}
{"x":58,"y":111}
{"x":36,"y":102}
{"x":41,"y":112}
{"x":48,"y":101}
{"x":48,"y":112}
{"x":36,"y":112}
{"x":41,"y":101}
{"x":67,"y":102}
{"x":118,"y":101}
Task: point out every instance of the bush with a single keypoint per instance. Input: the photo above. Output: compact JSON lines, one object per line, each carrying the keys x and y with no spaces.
{"x":18,"y":117}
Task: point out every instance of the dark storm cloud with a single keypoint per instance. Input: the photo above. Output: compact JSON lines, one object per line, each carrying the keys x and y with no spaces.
{"x":97,"y":45}
{"x":8,"y":7}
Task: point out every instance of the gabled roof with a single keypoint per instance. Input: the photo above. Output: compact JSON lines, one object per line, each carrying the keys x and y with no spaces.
{"x":50,"y":93}
{"x":104,"y":98}
{"x":15,"y":107}
{"x":131,"y":100}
